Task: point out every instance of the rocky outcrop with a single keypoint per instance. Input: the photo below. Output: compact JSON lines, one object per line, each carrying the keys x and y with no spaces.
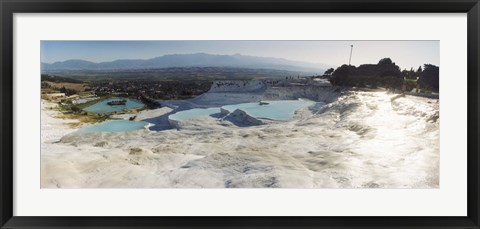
{"x":241,"y":118}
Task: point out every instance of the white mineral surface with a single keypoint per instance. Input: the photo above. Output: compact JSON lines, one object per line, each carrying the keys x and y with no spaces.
{"x":356,"y":140}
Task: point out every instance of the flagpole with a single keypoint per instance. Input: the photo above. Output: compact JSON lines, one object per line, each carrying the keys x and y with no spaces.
{"x":351,"y":50}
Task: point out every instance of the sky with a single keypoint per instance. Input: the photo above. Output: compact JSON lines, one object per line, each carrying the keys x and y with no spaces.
{"x":406,"y":54}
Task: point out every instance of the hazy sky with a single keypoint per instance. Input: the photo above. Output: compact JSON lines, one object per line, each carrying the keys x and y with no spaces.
{"x":405,"y":54}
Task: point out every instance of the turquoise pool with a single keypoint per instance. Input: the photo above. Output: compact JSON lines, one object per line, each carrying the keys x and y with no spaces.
{"x":116,"y":126}
{"x":103,"y":107}
{"x":193,"y":113}
{"x":281,"y":110}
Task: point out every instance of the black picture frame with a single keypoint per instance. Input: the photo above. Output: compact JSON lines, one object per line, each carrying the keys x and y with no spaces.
{"x":9,"y":7}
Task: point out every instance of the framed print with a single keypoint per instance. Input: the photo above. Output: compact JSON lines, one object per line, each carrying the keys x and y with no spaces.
{"x":239,"y":114}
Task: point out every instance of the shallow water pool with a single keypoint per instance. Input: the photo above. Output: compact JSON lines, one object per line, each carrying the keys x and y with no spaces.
{"x":103,"y":107}
{"x":193,"y":113}
{"x":281,"y":110}
{"x":116,"y":126}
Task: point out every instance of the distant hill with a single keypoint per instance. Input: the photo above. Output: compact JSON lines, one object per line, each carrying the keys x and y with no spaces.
{"x":190,"y":60}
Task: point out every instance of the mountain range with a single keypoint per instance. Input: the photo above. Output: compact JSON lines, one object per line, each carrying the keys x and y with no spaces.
{"x":189,"y":60}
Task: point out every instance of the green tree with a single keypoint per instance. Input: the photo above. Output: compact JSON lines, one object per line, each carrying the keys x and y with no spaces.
{"x":419,"y":70}
{"x":386,"y":73}
{"x":329,"y":71}
{"x":341,"y":75}
{"x":385,"y":61}
{"x":429,"y":77}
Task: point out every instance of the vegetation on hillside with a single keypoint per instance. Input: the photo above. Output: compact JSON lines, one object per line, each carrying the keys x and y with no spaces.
{"x":386,"y":74}
{"x":69,"y":86}
{"x":59,"y":79}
